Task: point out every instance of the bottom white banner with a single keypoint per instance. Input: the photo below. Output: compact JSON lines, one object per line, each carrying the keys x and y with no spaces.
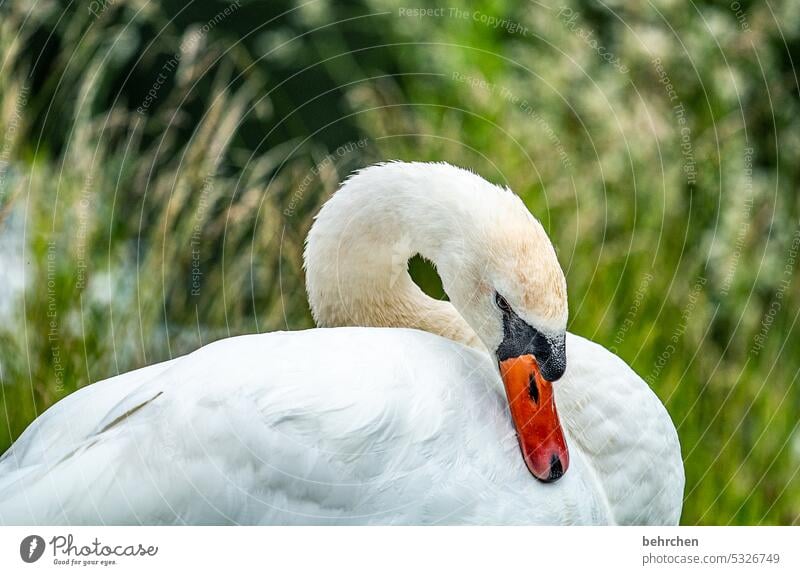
{"x":533,"y":550}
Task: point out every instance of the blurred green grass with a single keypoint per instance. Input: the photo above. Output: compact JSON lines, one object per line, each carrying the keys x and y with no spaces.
{"x":149,"y":234}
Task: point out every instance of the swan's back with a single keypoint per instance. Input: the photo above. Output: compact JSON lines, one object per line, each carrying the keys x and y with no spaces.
{"x":345,"y":425}
{"x":624,"y":430}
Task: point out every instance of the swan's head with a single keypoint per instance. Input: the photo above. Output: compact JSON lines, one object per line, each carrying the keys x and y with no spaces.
{"x":509,"y":286}
{"x":497,"y":266}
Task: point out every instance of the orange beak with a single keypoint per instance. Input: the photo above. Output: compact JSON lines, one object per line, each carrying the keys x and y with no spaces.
{"x":533,"y":409}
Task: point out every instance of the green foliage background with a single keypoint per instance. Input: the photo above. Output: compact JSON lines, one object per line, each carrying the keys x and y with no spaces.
{"x":658,"y":143}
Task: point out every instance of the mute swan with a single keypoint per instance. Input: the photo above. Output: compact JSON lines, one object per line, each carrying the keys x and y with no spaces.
{"x":365,"y":425}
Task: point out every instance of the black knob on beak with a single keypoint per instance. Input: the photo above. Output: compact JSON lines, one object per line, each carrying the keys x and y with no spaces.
{"x":556,"y":468}
{"x":551,"y":353}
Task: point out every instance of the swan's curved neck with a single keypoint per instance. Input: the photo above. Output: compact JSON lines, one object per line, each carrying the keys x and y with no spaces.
{"x":358,"y":250}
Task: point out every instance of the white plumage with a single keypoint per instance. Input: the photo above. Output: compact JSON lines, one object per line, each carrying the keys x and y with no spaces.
{"x":346,"y":425}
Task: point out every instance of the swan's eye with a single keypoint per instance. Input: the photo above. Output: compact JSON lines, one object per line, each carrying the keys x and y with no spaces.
{"x":501,"y":303}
